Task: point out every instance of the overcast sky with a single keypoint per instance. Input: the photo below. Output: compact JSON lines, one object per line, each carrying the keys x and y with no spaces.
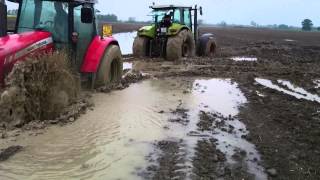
{"x":263,"y":12}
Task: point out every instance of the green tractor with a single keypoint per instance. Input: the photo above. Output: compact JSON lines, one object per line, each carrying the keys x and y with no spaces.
{"x":173,"y":35}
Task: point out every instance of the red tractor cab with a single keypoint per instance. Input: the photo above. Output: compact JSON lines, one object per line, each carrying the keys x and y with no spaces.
{"x":46,"y":25}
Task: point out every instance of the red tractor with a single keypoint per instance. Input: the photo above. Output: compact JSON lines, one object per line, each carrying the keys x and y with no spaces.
{"x":46,"y":25}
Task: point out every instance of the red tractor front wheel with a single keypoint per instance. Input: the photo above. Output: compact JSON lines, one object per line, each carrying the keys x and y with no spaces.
{"x":111,"y":67}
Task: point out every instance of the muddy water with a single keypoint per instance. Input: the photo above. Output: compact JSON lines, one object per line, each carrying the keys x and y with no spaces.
{"x":127,"y":65}
{"x":111,"y":141}
{"x":125,"y":41}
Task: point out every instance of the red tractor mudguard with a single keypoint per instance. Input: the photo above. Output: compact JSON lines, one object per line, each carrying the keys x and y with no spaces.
{"x":17,"y":47}
{"x":95,"y":53}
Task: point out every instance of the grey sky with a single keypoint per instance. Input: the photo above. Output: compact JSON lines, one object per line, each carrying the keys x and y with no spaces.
{"x":290,"y":12}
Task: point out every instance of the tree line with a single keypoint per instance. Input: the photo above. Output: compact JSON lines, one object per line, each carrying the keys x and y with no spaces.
{"x":12,"y":12}
{"x":307,"y":25}
{"x":114,"y":18}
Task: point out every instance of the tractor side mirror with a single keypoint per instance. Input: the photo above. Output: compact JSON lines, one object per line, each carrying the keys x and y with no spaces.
{"x":86,"y":15}
{"x":201,"y":10}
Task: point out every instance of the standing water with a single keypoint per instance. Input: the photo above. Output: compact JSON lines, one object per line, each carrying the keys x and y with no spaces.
{"x":112,"y":141}
{"x":125,"y":41}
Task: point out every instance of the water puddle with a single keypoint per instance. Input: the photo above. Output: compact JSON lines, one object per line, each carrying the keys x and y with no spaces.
{"x":292,"y":90}
{"x":317,"y":83}
{"x":244,"y":58}
{"x":127,"y":65}
{"x":224,"y":97}
{"x":112,"y":141}
{"x":289,"y":40}
{"x":260,"y":94}
{"x":125,"y":41}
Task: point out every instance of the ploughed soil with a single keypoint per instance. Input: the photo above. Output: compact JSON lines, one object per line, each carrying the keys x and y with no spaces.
{"x":284,"y":129}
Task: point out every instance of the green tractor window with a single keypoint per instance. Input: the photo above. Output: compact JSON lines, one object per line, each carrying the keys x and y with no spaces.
{"x":187,"y":17}
{"x":177,"y":16}
{"x":160,"y":14}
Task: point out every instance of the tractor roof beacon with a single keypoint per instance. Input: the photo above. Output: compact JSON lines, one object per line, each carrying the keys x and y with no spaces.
{"x":45,"y":25}
{"x":174,"y":34}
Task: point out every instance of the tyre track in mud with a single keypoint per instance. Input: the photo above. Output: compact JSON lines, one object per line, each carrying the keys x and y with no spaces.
{"x":177,"y":159}
{"x":208,"y":161}
{"x":170,"y":163}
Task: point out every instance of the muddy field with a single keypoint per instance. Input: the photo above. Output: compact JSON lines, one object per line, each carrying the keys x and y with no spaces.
{"x":283,"y":121}
{"x":252,"y":112}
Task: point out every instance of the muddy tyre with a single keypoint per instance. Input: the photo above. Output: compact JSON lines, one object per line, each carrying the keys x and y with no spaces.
{"x":110,"y":69}
{"x":181,"y":45}
{"x":140,"y":46}
{"x":210,"y":48}
{"x":207,"y":45}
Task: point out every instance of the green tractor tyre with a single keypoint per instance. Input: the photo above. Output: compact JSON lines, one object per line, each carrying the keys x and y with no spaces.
{"x":180,"y":45}
{"x":210,"y":49}
{"x":111,"y":68}
{"x":207,"y":45}
{"x":140,"y":46}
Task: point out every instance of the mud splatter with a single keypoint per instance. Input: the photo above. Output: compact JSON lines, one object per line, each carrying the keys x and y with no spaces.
{"x":38,"y":89}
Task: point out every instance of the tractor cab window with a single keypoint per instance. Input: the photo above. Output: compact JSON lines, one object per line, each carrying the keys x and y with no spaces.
{"x":187,"y":17}
{"x":177,"y":16}
{"x":12,"y":15}
{"x":161,"y":15}
{"x":45,"y":15}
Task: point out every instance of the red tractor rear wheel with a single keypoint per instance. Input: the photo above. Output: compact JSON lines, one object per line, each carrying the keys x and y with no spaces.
{"x":110,"y":69}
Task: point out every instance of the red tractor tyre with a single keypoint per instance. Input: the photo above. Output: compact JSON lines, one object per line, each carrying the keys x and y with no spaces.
{"x":111,"y":67}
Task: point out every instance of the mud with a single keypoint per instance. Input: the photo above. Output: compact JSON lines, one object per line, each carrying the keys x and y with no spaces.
{"x":41,"y":89}
{"x":130,"y":77}
{"x":170,"y":162}
{"x":284,"y":128}
{"x":199,"y":118}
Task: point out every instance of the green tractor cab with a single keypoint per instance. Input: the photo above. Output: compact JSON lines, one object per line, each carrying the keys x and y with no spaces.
{"x":173,"y":35}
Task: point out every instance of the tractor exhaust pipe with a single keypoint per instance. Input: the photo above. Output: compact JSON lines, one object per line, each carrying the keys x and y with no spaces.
{"x":195,"y":21}
{"x":3,"y":19}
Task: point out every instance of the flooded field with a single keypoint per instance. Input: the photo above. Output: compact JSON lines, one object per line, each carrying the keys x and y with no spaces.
{"x":125,"y":41}
{"x":252,"y":112}
{"x":113,"y":140}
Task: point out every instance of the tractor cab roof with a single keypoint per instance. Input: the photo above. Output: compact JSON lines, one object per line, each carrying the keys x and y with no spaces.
{"x":163,"y":7}
{"x":78,"y":1}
